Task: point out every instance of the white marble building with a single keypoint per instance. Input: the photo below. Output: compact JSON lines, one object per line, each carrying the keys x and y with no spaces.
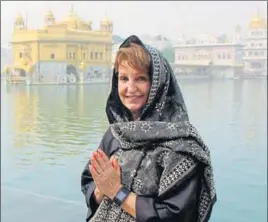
{"x":208,"y":57}
{"x":255,"y":51}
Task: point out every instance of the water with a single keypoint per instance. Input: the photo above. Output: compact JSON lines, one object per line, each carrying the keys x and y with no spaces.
{"x":48,"y":133}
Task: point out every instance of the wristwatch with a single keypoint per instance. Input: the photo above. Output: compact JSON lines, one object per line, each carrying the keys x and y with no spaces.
{"x":121,"y":196}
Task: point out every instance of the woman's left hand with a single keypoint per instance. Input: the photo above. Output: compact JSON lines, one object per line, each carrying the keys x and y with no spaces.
{"x":106,"y":173}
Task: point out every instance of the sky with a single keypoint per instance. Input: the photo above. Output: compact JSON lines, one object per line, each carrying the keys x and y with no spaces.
{"x":169,"y":18}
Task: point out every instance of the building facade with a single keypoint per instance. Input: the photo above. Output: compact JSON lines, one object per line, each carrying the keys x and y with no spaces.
{"x":208,"y":57}
{"x":62,"y":51}
{"x":255,"y":51}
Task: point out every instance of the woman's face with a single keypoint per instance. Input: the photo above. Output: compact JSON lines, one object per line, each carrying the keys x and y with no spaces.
{"x":133,"y":88}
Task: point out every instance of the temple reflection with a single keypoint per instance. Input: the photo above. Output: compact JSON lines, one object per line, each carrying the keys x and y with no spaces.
{"x":57,"y":121}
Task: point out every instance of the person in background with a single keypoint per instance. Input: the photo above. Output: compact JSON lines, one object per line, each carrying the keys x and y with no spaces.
{"x":151,"y":164}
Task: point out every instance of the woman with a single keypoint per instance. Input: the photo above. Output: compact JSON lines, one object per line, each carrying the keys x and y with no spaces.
{"x":151,"y":164}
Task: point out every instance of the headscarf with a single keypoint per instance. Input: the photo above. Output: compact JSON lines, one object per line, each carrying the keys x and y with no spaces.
{"x":165,"y":101}
{"x":163,"y":124}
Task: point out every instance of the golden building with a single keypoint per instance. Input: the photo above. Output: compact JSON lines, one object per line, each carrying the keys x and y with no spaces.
{"x":257,"y":22}
{"x":62,"y":49}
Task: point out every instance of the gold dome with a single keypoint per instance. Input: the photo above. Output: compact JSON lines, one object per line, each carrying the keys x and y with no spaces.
{"x":106,"y":21}
{"x":74,"y":21}
{"x":72,"y":16}
{"x":49,"y":14}
{"x":257,"y":22}
{"x":19,"y":18}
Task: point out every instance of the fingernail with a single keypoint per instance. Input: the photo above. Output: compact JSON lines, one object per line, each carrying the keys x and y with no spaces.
{"x":100,"y":152}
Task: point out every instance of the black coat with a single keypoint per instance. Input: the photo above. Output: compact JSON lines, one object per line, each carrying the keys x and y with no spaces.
{"x":181,"y":206}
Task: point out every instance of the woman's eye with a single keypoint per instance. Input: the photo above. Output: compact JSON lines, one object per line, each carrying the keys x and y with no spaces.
{"x":123,"y":78}
{"x":142,"y":78}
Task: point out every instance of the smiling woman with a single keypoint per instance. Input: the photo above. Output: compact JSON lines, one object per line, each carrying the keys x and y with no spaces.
{"x":132,"y":66}
{"x":151,"y":164}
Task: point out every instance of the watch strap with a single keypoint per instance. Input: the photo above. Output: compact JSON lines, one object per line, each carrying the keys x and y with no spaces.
{"x":121,"y":195}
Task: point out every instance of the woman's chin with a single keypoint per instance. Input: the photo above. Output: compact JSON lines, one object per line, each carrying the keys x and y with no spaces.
{"x":134,"y":108}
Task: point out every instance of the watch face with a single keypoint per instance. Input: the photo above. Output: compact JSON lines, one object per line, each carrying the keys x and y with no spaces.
{"x":121,"y":195}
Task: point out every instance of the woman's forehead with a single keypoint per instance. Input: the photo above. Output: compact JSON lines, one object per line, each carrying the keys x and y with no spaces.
{"x":127,"y":69}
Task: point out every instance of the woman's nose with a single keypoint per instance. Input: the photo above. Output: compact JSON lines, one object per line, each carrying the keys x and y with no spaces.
{"x":132,"y":86}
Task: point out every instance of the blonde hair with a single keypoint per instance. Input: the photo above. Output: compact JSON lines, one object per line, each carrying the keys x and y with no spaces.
{"x":136,"y":57}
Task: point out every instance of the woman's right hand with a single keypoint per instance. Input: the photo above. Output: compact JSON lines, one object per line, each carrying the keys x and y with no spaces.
{"x":98,"y":196}
{"x":97,"y":193}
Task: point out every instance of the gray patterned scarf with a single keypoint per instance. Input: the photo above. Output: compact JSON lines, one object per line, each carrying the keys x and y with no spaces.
{"x":162,"y":137}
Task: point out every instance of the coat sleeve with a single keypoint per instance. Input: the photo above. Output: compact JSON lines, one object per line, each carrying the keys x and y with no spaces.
{"x":87,"y":182}
{"x":180,"y":204}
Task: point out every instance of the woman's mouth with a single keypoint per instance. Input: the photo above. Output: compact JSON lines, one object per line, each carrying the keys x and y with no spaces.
{"x":133,"y":97}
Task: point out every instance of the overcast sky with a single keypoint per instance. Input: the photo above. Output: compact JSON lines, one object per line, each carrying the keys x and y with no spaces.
{"x":168,"y":18}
